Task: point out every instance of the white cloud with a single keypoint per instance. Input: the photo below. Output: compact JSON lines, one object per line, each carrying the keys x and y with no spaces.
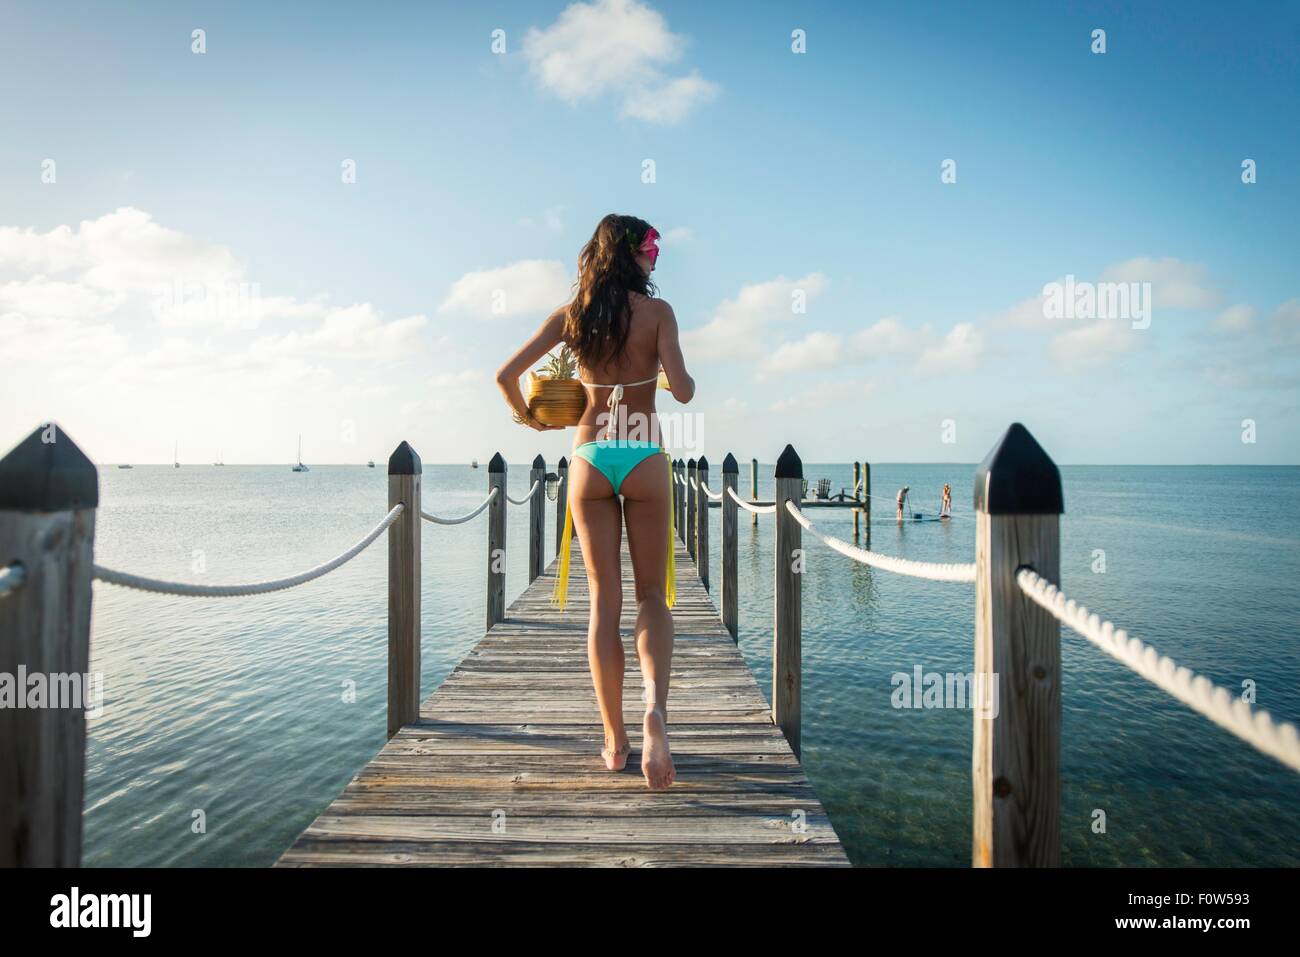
{"x":531,"y":286}
{"x":43,"y":297}
{"x":1235,"y":318}
{"x":678,"y":234}
{"x":351,"y":332}
{"x":736,"y":329}
{"x":959,"y":351}
{"x":817,"y":350}
{"x":672,"y":101}
{"x":1175,"y":284}
{"x":1093,"y":343}
{"x":1286,"y":322}
{"x":618,"y":47}
{"x":825,"y":393}
{"x":887,"y":336}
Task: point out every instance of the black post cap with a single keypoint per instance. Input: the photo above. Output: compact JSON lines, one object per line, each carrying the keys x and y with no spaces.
{"x":1018,"y":478}
{"x":729,"y":466}
{"x":404,"y":461}
{"x":539,"y":463}
{"x":46,"y":472}
{"x":690,"y":463}
{"x":563,"y":463}
{"x":498,"y":464}
{"x":789,"y":465}
{"x":680,"y":463}
{"x":702,"y":465}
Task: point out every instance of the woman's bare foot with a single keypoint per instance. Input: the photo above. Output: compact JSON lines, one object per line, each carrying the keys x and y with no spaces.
{"x":616,"y":750}
{"x":656,"y":758}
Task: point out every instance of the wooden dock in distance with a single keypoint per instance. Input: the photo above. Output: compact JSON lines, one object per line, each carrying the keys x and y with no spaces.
{"x":502,"y":766}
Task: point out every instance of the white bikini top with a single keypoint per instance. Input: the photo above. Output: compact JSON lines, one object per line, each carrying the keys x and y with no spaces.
{"x":615,"y":397}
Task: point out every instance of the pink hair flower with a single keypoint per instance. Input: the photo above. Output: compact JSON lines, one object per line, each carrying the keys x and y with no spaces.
{"x":650,"y":245}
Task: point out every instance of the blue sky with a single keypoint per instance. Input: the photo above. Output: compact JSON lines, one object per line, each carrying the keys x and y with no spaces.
{"x":776,"y":175}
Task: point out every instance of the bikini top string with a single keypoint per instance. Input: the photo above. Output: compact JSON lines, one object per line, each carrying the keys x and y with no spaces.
{"x":615,"y":397}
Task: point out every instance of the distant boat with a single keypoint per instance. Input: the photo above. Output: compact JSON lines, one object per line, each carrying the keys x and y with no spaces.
{"x":218,"y":461}
{"x":372,"y":463}
{"x":126,"y":466}
{"x":300,"y":467}
{"x":474,"y":464}
{"x":176,"y":459}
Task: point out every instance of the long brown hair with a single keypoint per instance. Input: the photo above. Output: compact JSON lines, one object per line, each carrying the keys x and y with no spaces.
{"x":596,"y":321}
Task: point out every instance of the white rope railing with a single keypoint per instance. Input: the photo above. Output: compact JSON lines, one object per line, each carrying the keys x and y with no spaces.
{"x":139,"y":582}
{"x":531,"y":492}
{"x":935,"y":571}
{"x":464,"y":518}
{"x":756,"y":509}
{"x":1277,"y":739}
{"x":716,"y":496}
{"x":694,"y":487}
{"x":12,"y":578}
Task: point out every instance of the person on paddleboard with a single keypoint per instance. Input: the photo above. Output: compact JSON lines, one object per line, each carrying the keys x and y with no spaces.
{"x":901,"y":500}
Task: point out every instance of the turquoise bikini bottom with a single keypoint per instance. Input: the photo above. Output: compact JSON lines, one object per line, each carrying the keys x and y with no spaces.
{"x":615,"y":458}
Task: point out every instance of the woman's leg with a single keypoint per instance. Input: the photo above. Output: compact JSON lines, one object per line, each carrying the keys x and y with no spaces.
{"x":645,"y":505}
{"x":598,"y":522}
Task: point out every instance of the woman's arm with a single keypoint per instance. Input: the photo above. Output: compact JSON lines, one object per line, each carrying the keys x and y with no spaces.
{"x":670,"y":356}
{"x":546,"y":338}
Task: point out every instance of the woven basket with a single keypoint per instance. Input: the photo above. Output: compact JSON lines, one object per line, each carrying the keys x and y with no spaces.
{"x":555,"y":401}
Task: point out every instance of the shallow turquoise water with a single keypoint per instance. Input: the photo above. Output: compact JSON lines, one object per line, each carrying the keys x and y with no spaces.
{"x":236,"y":707}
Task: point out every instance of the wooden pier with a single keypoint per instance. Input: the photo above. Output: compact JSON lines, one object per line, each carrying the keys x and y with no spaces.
{"x":502,"y":766}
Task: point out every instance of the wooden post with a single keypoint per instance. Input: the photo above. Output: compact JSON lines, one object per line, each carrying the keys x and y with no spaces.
{"x":866,"y":501}
{"x":787,"y":640}
{"x":1016,"y":765}
{"x":677,"y":497}
{"x":857,"y":496}
{"x":496,"y":550}
{"x":561,"y":500}
{"x":753,"y":488}
{"x":49,"y":492}
{"x":730,"y":478}
{"x":702,"y":520}
{"x":536,"y":519}
{"x":681,"y":501}
{"x":404,"y":477}
{"x":690,"y":506}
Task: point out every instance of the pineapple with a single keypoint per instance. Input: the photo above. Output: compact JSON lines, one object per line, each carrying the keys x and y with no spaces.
{"x":563,"y":365}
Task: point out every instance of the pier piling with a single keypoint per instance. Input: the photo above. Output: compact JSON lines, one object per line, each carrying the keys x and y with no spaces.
{"x":536,"y":519}
{"x":787,"y":637}
{"x":730,"y":477}
{"x":404,"y":479}
{"x":1016,"y":764}
{"x":49,"y":493}
{"x":496,"y":551}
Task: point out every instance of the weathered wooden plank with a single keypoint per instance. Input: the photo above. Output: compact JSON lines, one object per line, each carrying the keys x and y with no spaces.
{"x":502,"y":765}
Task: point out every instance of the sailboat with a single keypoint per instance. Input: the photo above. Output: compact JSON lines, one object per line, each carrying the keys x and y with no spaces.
{"x":218,"y":461}
{"x":474,"y":464}
{"x":300,"y":467}
{"x":176,"y":459}
{"x":372,"y":463}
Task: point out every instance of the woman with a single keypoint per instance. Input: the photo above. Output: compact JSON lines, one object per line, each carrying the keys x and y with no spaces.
{"x":622,"y":336}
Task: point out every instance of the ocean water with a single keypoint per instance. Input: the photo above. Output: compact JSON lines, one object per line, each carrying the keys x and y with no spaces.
{"x":235,"y":713}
